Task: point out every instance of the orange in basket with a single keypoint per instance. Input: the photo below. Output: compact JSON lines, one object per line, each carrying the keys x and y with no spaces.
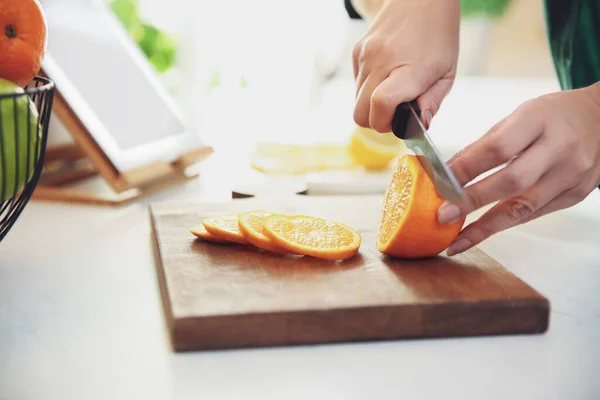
{"x":23,"y":37}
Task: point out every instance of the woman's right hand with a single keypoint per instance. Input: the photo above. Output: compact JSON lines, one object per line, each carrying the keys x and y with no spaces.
{"x":409,"y":52}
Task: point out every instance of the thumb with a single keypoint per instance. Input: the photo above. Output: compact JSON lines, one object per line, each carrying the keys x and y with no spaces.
{"x":429,"y":102}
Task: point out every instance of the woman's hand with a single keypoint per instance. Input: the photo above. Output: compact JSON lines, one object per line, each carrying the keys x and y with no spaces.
{"x":409,"y":52}
{"x":552,"y":147}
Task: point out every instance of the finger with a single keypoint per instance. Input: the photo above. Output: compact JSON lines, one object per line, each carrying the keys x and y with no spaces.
{"x":401,"y":86}
{"x":560,"y":189}
{"x":511,"y":180}
{"x":575,"y":190}
{"x":560,"y":203}
{"x":430,"y":101}
{"x":565,"y":199}
{"x":544,"y":195}
{"x":362,"y":108}
{"x":362,"y":75}
{"x":355,"y":57}
{"x":461,"y":152}
{"x":492,"y":150}
{"x":498,"y":218}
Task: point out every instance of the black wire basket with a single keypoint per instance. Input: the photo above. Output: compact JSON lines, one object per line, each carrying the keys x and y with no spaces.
{"x":24,"y":120}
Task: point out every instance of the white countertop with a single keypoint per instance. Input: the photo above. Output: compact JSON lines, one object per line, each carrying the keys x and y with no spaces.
{"x":78,"y":320}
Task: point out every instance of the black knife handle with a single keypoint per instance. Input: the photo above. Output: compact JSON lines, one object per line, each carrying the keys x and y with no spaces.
{"x":401,"y":118}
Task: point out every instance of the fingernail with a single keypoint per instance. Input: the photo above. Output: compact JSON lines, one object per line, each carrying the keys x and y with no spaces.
{"x":448,"y":213}
{"x":459,"y":246}
{"x":428,"y":117}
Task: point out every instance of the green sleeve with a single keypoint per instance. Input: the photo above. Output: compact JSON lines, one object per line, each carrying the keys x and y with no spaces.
{"x":574,"y":37}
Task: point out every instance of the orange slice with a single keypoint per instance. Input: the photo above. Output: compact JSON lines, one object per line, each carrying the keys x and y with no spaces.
{"x":225,"y":227}
{"x":312,"y":236}
{"x":200,"y":232}
{"x":409,"y":226}
{"x":251,"y":225}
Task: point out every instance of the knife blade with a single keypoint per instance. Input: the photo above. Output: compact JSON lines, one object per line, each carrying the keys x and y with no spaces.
{"x":407,"y":125}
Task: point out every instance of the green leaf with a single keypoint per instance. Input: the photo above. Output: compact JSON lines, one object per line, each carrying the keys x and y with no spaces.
{"x":158,"y":47}
{"x":127,"y":11}
{"x":491,"y":8}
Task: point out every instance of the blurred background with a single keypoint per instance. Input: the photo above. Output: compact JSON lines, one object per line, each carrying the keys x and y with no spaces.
{"x":281,"y":70}
{"x":300,"y":51}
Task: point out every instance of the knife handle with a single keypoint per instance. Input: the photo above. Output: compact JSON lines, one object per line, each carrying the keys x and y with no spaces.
{"x":401,"y":118}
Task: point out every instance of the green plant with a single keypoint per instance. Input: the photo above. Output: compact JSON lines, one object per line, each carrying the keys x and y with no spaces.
{"x":490,"y":8}
{"x":156,"y":45}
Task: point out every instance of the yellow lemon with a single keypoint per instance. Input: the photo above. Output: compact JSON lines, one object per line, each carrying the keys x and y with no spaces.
{"x":374,"y":150}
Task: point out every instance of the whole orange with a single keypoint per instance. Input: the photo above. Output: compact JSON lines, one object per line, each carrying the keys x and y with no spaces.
{"x":23,"y":40}
{"x":409,"y":220}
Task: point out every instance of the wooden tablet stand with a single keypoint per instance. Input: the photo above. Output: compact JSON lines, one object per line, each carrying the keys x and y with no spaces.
{"x":79,"y":172}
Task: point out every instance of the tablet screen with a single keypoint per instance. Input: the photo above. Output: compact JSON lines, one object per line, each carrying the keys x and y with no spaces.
{"x":119,"y":86}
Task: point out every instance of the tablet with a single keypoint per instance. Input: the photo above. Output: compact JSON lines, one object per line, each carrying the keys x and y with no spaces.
{"x":111,"y":86}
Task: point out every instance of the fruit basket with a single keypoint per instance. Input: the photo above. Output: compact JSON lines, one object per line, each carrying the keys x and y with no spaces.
{"x":24,"y":118}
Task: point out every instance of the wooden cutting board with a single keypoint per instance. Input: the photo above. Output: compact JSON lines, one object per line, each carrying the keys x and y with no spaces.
{"x":231,"y":296}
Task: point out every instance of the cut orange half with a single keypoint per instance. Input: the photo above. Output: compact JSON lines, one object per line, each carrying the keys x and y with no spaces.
{"x":200,"y":232}
{"x":312,"y":236}
{"x":409,"y":225}
{"x":225,"y":227}
{"x":252,"y":224}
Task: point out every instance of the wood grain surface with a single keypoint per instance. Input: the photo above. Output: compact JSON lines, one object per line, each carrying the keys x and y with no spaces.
{"x":219,"y":296}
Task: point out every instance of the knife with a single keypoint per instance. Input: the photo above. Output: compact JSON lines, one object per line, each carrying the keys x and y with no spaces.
{"x":407,"y":125}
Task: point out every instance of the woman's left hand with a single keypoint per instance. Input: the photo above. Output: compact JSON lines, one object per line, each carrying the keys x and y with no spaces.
{"x":552,"y":147}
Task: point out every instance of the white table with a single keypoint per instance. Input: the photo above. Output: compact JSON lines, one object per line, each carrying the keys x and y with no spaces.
{"x":80,"y":321}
